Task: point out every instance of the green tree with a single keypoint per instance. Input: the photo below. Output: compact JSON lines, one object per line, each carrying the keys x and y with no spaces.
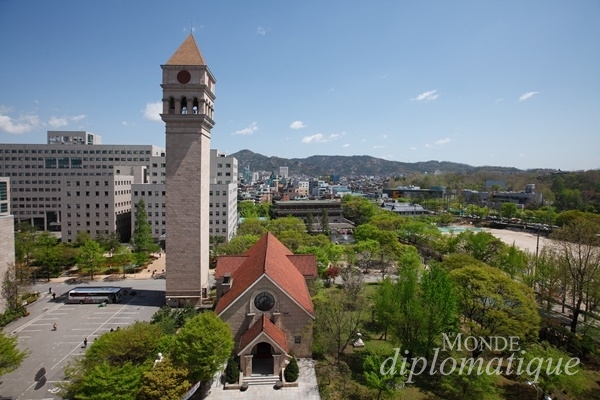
{"x":142,"y":239}
{"x":386,"y":305}
{"x":325,"y":222}
{"x":12,"y":288}
{"x":310,"y":222}
{"x":252,"y":226}
{"x":384,"y":384}
{"x":358,"y":209}
{"x":247,"y":209}
{"x":47,"y":254}
{"x":495,"y":305}
{"x":81,"y":238}
{"x":10,"y":355}
{"x":90,"y":258}
{"x":238,"y":244}
{"x":202,"y":345}
{"x":109,"y":242}
{"x":508,"y":210}
{"x":579,"y":244}
{"x":279,"y":225}
{"x":164,"y":382}
{"x":481,"y":245}
{"x":292,"y":371}
{"x":469,"y":386}
{"x":512,"y":260}
{"x":111,"y":382}
{"x":232,"y":371}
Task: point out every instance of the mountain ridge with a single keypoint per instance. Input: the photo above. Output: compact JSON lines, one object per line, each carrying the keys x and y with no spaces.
{"x":322,"y":165}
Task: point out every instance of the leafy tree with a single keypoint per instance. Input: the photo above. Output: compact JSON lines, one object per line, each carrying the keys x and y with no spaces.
{"x":481,"y":245}
{"x":493,"y":304}
{"x":310,"y":222}
{"x":247,"y":209}
{"x":90,"y":258}
{"x":384,"y":384}
{"x":13,"y":288}
{"x":110,"y":382}
{"x":81,"y":238}
{"x":10,"y":355}
{"x":238,"y":244}
{"x":469,"y":386}
{"x":386,"y":221}
{"x":280,"y":225}
{"x":386,"y":304}
{"x":142,"y":239}
{"x":171,"y":319}
{"x":579,"y":244}
{"x":232,"y":371}
{"x":47,"y":254}
{"x":508,"y":210}
{"x":202,"y":345}
{"x":512,"y":260}
{"x":109,"y":242}
{"x":358,"y":209}
{"x":164,"y":382}
{"x":25,"y":243}
{"x":292,"y":371}
{"x":339,"y":317}
{"x":366,"y":254}
{"x":252,"y":226}
{"x":460,"y":260}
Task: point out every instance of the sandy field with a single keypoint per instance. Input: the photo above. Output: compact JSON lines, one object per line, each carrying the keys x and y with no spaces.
{"x":524,"y":240}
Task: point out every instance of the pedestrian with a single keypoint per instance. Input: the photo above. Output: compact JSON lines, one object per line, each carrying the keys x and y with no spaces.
{"x":54,"y":327}
{"x":49,"y":290}
{"x":53,"y":296}
{"x":85,"y":343}
{"x":112,"y":330}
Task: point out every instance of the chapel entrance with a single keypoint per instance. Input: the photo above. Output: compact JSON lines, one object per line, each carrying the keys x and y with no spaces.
{"x":262,"y":360}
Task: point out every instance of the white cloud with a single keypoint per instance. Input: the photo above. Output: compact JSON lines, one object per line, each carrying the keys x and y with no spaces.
{"x":261,"y":31}
{"x":384,"y":136}
{"x":442,"y":141}
{"x":378,"y":146}
{"x":77,"y":118}
{"x":346,"y":145}
{"x":320,"y":138}
{"x":427,"y":145}
{"x":125,"y":123}
{"x":499,"y":100}
{"x":297,"y":125}
{"x":413,"y":148}
{"x":24,"y":124}
{"x":152,"y":111}
{"x":527,"y":95}
{"x":5,"y":109}
{"x":427,"y":96}
{"x":249,"y":130}
{"x":56,"y":122}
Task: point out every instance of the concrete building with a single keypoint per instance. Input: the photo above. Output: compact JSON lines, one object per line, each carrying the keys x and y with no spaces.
{"x":188,"y":106}
{"x":7,"y":233}
{"x":74,"y":174}
{"x":284,"y":172}
{"x":223,"y":195}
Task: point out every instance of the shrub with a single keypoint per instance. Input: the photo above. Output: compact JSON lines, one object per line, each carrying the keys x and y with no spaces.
{"x":10,"y":315}
{"x":232,"y":371}
{"x":292,"y":371}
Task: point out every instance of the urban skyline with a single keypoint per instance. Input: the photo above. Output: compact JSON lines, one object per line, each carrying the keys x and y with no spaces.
{"x":505,"y":84}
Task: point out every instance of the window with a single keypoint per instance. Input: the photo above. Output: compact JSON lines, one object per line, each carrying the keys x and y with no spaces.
{"x":297,"y":339}
{"x":264,"y":301}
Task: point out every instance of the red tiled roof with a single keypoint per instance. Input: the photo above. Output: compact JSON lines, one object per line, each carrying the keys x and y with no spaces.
{"x":268,"y":257}
{"x":228,"y":264}
{"x":270,"y":329}
{"x":306,"y":264}
{"x":187,"y":54}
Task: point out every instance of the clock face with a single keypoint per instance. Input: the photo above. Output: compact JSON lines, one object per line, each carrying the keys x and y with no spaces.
{"x":183,"y":77}
{"x":264,"y":301}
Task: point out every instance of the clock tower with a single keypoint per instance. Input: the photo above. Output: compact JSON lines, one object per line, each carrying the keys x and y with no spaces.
{"x":188,"y":104}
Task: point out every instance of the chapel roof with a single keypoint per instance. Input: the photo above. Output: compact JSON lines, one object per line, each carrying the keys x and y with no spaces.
{"x":265,"y":325}
{"x":187,"y":54}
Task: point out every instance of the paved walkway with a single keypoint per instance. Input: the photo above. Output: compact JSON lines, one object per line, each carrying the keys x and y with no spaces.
{"x":307,"y":388}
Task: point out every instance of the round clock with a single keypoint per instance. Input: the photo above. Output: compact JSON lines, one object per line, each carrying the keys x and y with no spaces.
{"x":183,"y":77}
{"x":264,"y":301}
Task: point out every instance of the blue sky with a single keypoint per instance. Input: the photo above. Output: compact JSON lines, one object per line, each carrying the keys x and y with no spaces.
{"x":509,"y":83}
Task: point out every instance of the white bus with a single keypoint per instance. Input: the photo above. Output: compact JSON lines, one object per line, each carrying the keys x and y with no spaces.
{"x":95,"y":294}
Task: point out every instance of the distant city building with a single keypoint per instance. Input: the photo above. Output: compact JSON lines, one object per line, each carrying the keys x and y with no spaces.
{"x":223,"y":195}
{"x":302,"y":208}
{"x":284,"y":172}
{"x":437,"y":192}
{"x":494,"y":199}
{"x":405,"y":209}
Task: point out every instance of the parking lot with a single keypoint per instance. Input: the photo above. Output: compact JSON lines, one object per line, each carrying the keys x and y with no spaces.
{"x":51,"y":350}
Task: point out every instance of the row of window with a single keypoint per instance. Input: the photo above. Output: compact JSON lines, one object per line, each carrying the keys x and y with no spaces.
{"x":221,"y":165}
{"x":51,"y":164}
{"x":117,"y":193}
{"x":210,"y":213}
{"x":217,"y":222}
{"x":68,"y":151}
{"x":56,"y":173}
{"x":216,"y":230}
{"x":150,"y":193}
{"x":217,"y":204}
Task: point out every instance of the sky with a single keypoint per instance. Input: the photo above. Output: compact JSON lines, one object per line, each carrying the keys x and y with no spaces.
{"x":505,"y":83}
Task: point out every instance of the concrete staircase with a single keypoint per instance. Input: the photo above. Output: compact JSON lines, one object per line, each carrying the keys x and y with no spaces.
{"x":255,"y":380}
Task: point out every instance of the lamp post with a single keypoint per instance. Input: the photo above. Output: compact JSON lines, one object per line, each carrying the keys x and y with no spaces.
{"x":539,"y":390}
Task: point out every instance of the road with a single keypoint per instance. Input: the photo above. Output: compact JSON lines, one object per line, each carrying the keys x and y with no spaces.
{"x":51,"y":350}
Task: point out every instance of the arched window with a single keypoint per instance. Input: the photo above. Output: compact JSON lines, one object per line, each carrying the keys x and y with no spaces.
{"x":183,"y":105}
{"x":195,"y":105}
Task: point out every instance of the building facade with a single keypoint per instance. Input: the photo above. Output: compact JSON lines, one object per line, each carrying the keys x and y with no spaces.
{"x":223,"y":195}
{"x":73,"y":171}
{"x":188,"y":106}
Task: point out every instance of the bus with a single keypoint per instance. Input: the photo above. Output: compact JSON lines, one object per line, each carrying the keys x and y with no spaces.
{"x":95,"y":294}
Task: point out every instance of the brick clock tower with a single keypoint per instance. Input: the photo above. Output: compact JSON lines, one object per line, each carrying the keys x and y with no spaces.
{"x":188,"y":104}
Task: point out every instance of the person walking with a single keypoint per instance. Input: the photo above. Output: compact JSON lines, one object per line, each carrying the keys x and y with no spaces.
{"x":85,"y":343}
{"x":54,"y":327}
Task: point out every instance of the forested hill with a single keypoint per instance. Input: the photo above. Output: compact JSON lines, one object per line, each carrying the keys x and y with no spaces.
{"x":353,"y":165}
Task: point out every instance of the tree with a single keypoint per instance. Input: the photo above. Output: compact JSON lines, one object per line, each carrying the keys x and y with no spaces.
{"x":508,"y":210}
{"x":385,"y":384}
{"x":386,"y":305}
{"x":142,"y":239}
{"x":232,"y":371}
{"x":81,"y":238}
{"x":339,"y":317}
{"x":325,"y":222}
{"x":252,"y":226}
{"x":111,"y":382}
{"x":292,"y":371}
{"x":310,"y":222}
{"x":202,"y":345}
{"x":247,"y":209}
{"x":12,"y":288}
{"x":109,"y":242}
{"x":495,"y":305}
{"x":357,"y":209}
{"x":47,"y":254}
{"x":10,"y":355}
{"x":90,"y":258}
{"x":238,"y":244}
{"x":481,"y":245}
{"x":164,"y":382}
{"x":512,"y":260}
{"x":579,"y":244}
{"x":25,"y":243}
{"x":469,"y":386}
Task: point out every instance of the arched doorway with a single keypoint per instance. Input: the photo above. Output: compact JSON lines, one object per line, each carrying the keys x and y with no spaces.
{"x":262,"y":360}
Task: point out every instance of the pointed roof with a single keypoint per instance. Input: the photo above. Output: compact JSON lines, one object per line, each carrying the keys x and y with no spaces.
{"x":268,"y":257}
{"x":187,"y":54}
{"x":263,"y":325}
